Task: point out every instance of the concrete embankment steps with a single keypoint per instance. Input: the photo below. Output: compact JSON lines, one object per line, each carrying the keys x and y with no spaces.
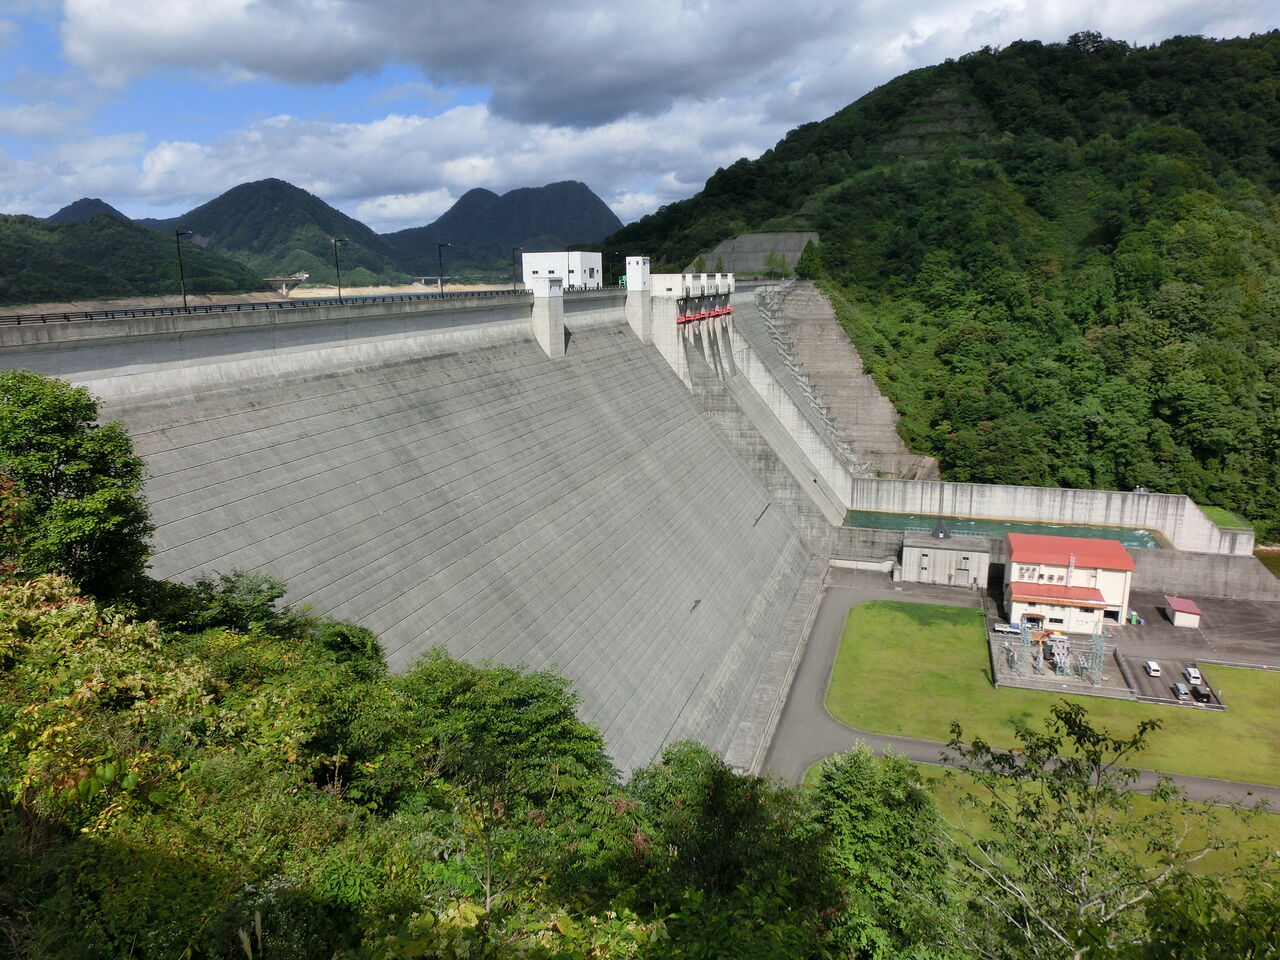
{"x":582,"y":514}
{"x":863,"y":414}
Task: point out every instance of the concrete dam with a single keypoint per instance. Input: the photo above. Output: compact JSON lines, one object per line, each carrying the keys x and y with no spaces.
{"x":639,"y":488}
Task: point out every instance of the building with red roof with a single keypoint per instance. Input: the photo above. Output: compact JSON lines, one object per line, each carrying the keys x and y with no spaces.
{"x":1072,"y":584}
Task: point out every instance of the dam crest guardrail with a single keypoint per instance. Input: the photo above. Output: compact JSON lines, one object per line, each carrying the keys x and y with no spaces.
{"x":14,"y":319}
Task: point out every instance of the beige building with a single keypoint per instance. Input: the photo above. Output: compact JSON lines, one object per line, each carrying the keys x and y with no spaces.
{"x":1072,"y":584}
{"x":946,"y":560}
{"x":1182,"y":612}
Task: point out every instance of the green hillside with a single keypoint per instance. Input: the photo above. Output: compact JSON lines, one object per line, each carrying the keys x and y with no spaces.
{"x":42,"y":261}
{"x":277,"y":229}
{"x":1061,"y":261}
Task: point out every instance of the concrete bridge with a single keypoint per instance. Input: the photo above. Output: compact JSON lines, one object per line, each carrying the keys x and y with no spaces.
{"x":635,"y":487}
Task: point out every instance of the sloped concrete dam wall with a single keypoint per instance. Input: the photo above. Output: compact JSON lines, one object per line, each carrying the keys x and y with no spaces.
{"x":580,"y":514}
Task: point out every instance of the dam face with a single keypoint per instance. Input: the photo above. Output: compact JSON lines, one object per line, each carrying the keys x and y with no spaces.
{"x":580,"y":514}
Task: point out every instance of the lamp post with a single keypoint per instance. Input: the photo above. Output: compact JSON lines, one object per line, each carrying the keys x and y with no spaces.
{"x":182,"y":273}
{"x":514,"y":275}
{"x":337,"y":269}
{"x":440,"y":263}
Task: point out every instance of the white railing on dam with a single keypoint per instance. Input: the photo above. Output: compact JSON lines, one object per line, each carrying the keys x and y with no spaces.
{"x":158,"y":353}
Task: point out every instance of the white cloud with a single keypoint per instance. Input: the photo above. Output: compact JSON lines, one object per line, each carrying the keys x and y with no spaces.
{"x":641,"y":103}
{"x":37,"y":121}
{"x":401,"y":171}
{"x":394,"y":211}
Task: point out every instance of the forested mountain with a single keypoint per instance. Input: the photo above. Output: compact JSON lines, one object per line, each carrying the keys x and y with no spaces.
{"x":86,"y":208}
{"x":104,"y":257}
{"x":277,"y":229}
{"x":482,"y":227}
{"x":1061,"y":261}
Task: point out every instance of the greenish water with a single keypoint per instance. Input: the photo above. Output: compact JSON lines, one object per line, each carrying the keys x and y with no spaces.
{"x":970,"y":526}
{"x":1270,"y":559}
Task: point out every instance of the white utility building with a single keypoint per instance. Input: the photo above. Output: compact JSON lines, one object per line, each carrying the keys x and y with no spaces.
{"x":576,"y":269}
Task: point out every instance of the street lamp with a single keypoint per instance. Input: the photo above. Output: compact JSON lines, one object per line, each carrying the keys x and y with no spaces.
{"x":440,"y":263}
{"x":182,"y":274}
{"x":514,"y":274}
{"x":336,"y":268}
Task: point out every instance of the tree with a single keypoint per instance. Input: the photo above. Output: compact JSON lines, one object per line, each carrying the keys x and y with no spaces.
{"x":79,"y":508}
{"x":809,"y":266}
{"x":719,"y":264}
{"x":1059,"y":860}
{"x":775,"y":264}
{"x":731,"y":860}
{"x":700,"y":265}
{"x":887,"y":854}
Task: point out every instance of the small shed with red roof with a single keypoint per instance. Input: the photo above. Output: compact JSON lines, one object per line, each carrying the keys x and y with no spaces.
{"x":1183,"y":612}
{"x":1072,"y":584}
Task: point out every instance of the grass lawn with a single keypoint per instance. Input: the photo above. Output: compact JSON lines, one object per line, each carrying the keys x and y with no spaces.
{"x":912,"y":668}
{"x":1225,"y":518}
{"x":1257,"y":832}
{"x":1231,"y":826}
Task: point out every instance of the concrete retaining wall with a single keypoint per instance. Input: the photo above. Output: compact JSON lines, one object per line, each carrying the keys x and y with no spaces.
{"x":1175,"y":516}
{"x":822,"y":458}
{"x":589,"y":308}
{"x":1203,"y":575}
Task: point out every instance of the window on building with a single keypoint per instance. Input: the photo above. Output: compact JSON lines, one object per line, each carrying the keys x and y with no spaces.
{"x":535,"y":273}
{"x":1058,"y":620}
{"x":591,"y":272}
{"x":571,"y":270}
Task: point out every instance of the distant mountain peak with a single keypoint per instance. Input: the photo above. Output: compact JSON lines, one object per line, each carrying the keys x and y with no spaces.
{"x":484,"y":229}
{"x":85,"y":209}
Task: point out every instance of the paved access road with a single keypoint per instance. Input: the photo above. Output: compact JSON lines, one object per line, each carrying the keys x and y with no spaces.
{"x":806,"y":733}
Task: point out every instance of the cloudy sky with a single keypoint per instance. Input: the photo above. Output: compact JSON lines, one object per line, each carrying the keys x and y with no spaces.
{"x":392,"y":109}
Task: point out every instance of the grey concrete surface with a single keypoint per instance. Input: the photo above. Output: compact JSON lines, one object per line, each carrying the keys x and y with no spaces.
{"x":580,"y":514}
{"x":807,"y":734}
{"x":753,"y":325}
{"x":1240,"y":632}
{"x":1204,"y":575}
{"x":1171,"y":671}
{"x":748,"y":252}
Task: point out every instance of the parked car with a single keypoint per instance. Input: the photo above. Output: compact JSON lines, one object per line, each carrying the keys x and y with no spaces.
{"x":1180,"y":691}
{"x":1153,"y":669}
{"x":1193,"y":675}
{"x":1201,"y":693}
{"x":1008,"y":629}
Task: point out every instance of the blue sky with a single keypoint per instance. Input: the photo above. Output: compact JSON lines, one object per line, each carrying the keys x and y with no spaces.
{"x":392,"y":109}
